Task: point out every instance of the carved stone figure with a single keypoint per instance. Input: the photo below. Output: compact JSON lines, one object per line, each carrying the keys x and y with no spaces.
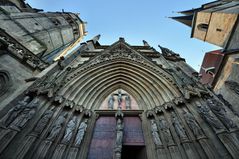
{"x":50,"y":83}
{"x":111,"y":102}
{"x":186,"y":84}
{"x":81,"y":132}
{"x":218,"y":109}
{"x":43,"y":121}
{"x":207,"y":116}
{"x":14,"y":112}
{"x":178,"y":127}
{"x":28,"y":112}
{"x":127,"y":102}
{"x":193,"y":125}
{"x":234,"y":86}
{"x":69,"y":130}
{"x":56,"y":128}
{"x":155,"y":133}
{"x":119,"y":133}
{"x":165,"y":130}
{"x":228,"y":104}
{"x":119,"y":98}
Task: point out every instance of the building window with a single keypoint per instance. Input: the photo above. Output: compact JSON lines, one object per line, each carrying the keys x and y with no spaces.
{"x":202,"y":27}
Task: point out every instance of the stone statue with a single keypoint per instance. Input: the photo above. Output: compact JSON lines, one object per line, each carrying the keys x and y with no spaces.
{"x":27,"y":113}
{"x":218,"y":109}
{"x":193,"y":125}
{"x":14,"y":112}
{"x":119,"y":98}
{"x":81,"y":132}
{"x":69,"y":130}
{"x":56,"y":128}
{"x":228,"y":104}
{"x":178,"y":127}
{"x":127,"y":102}
{"x":119,"y":133}
{"x":234,"y":86}
{"x":155,"y":133}
{"x":43,"y":121}
{"x":111,"y":102}
{"x":165,"y":130}
{"x":207,"y":116}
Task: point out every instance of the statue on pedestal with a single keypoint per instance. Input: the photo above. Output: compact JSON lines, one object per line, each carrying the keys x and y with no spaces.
{"x":27,"y":113}
{"x":193,"y":125}
{"x":119,"y":133}
{"x":207,"y":116}
{"x":178,"y":127}
{"x":43,"y":121}
{"x":111,"y":102}
{"x":81,"y":132}
{"x":69,"y":130}
{"x":218,"y":109}
{"x":14,"y":112}
{"x":127,"y":102}
{"x":155,"y":133}
{"x":119,"y":98}
{"x":165,"y":130}
{"x":57,"y":126}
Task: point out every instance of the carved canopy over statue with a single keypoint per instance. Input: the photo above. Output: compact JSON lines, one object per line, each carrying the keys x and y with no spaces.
{"x":186,"y":84}
{"x":50,"y":83}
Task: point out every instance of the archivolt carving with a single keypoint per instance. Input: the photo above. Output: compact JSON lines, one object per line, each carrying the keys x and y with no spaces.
{"x":5,"y":82}
{"x":117,"y":52}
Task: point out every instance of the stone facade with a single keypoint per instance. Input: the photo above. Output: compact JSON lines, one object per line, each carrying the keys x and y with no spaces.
{"x":172,"y":115}
{"x":110,"y":101}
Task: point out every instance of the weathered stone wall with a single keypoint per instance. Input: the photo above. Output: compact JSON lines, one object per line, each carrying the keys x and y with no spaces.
{"x":18,"y":73}
{"x":41,"y":32}
{"x":229,"y":72}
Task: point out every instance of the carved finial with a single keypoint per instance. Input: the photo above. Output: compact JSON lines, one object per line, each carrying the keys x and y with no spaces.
{"x":145,"y":43}
{"x":121,"y":39}
{"x":61,"y":62}
{"x":96,"y":38}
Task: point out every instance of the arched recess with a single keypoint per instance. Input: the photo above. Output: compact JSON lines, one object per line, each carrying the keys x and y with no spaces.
{"x":90,"y":86}
{"x":111,"y":102}
{"x":5,"y":82}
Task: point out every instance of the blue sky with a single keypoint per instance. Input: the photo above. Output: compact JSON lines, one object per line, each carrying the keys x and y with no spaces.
{"x":136,"y":20}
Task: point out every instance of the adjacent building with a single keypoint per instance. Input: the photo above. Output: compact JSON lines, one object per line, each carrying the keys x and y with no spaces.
{"x":217,"y":23}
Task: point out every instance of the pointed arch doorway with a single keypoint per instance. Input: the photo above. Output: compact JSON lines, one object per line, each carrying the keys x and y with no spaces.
{"x":103,"y":143}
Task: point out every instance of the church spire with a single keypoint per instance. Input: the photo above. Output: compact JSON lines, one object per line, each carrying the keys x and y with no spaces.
{"x":145,"y":43}
{"x":96,"y":38}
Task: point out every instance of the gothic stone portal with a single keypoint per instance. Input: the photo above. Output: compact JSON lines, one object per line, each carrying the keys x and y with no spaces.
{"x":112,"y":100}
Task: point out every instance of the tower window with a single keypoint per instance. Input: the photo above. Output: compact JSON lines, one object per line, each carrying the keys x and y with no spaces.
{"x":202,"y":27}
